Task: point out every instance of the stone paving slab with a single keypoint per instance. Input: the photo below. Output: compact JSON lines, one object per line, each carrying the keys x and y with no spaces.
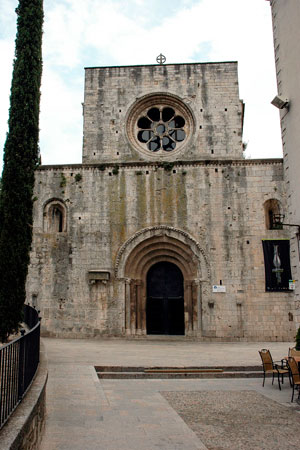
{"x":84,"y":412}
{"x":155,"y":352}
{"x":246,"y":419}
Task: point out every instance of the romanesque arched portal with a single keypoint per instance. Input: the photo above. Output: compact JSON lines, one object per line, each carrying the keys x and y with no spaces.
{"x":147,"y":248}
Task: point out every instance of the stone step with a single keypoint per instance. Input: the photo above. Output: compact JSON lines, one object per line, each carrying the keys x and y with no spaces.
{"x":119,"y":372}
{"x":176,"y":375}
{"x":178,"y":368}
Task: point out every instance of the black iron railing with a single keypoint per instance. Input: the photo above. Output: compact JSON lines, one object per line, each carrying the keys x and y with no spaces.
{"x":19,"y":361}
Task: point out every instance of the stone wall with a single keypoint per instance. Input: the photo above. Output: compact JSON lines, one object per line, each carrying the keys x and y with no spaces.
{"x":209,"y":91}
{"x":286,"y":17}
{"x":218,"y":204}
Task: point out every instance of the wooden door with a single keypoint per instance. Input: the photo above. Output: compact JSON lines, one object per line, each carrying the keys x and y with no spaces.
{"x":165,"y":302}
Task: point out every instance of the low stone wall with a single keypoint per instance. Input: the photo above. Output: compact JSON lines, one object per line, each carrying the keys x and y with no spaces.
{"x":24,"y":429}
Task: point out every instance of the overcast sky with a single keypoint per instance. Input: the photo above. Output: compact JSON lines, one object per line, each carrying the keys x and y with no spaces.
{"x":89,"y":33}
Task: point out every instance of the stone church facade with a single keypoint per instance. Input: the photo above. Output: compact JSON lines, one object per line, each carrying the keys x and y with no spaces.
{"x":160,"y":229}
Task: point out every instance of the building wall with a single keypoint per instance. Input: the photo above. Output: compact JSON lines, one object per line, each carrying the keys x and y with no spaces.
{"x":286,"y":19}
{"x":220,"y":205}
{"x":99,"y":226}
{"x":210,"y":91}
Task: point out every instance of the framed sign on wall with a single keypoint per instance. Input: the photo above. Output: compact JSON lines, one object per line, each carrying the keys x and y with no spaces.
{"x":277,"y":264}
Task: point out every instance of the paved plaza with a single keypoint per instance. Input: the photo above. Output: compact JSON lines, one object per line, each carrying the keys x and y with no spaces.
{"x":84,"y":412}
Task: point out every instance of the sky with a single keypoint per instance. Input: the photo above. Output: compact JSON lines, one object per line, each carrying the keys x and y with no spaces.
{"x":95,"y":33}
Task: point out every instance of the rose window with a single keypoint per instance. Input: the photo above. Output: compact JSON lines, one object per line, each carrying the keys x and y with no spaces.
{"x":161,"y":129}
{"x":160,"y":126}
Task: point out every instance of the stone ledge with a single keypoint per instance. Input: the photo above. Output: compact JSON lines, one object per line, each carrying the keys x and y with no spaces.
{"x":23,"y":431}
{"x":212,"y":162}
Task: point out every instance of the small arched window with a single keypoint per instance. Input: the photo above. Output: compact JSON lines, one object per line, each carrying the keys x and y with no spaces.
{"x":273,"y":214}
{"x":55,"y":220}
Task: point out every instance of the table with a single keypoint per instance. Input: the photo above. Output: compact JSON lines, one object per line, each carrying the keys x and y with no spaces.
{"x":296,"y":358}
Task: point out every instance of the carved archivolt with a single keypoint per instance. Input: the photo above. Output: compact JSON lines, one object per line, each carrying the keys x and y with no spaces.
{"x":161,"y":243}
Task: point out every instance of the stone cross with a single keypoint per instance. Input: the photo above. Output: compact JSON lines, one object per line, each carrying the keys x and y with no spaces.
{"x":161,"y":59}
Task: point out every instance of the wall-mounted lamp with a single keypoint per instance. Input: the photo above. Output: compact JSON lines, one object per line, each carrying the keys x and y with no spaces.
{"x":277,"y":222}
{"x":280,"y":102}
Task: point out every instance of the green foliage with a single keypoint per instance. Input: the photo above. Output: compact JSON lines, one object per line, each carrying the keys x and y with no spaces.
{"x":21,"y":157}
{"x":63,"y":180}
{"x":167,"y":166}
{"x":78,"y":177}
{"x":115,"y":170}
{"x":298,"y":339}
{"x":101,"y":167}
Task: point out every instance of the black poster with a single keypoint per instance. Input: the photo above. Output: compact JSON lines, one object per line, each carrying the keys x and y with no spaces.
{"x":277,"y":264}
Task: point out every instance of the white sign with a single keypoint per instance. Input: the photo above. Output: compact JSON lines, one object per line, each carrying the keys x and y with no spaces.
{"x":218,"y":288}
{"x":292,"y":285}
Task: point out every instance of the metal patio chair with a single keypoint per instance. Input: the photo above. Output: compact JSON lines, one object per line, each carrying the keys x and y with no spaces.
{"x":293,"y":352}
{"x":275,"y":368}
{"x":295,"y":375}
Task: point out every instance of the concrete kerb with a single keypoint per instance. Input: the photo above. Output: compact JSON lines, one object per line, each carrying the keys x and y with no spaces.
{"x":25,"y":427}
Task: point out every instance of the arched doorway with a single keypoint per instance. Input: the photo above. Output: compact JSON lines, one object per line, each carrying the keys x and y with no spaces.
{"x":165,"y":301}
{"x":145,"y":249}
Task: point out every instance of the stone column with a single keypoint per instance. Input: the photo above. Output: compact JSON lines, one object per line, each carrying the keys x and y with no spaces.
{"x":188,"y":307}
{"x":127,"y":306}
{"x":139,"y":312}
{"x":133,"y":307}
{"x":143,"y":301}
{"x":195,"y":305}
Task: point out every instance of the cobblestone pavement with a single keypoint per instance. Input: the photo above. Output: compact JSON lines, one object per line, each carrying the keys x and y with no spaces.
{"x":84,"y":412}
{"x":245,"y":420}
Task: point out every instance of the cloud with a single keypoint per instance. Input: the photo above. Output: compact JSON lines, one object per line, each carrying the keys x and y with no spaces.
{"x":6,"y":52}
{"x":7,"y":45}
{"x":8,"y":18}
{"x":79,"y":33}
{"x":61,"y":119}
{"x":63,"y":31}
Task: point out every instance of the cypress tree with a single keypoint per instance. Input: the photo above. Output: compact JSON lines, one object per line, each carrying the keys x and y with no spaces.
{"x":21,"y":154}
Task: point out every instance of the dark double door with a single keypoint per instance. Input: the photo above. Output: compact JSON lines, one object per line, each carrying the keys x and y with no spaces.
{"x":165,"y":303}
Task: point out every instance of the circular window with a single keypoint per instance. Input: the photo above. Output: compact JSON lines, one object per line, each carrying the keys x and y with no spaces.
{"x":159,"y":124}
{"x":161,"y":129}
